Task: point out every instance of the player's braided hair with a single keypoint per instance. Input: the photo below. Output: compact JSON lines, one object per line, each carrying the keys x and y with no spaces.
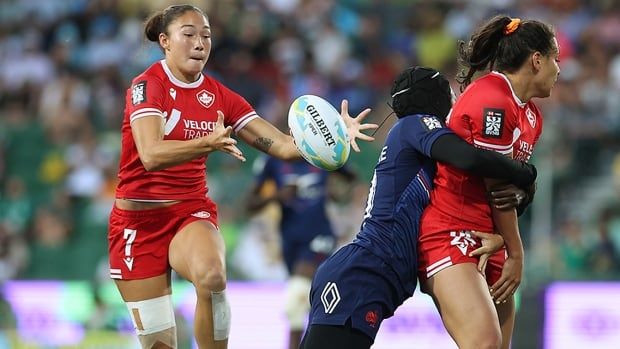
{"x":420,"y":90}
{"x":502,"y":44}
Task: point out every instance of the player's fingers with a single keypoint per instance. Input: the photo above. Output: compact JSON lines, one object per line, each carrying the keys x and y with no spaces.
{"x":361,"y":116}
{"x":365,"y":137}
{"x":511,"y":201}
{"x":482,"y":263}
{"x":368,"y":126}
{"x":238,"y":157}
{"x":480,"y":234}
{"x":229,"y":149}
{"x":483,"y":236}
{"x":501,"y":193}
{"x":228,"y":131}
{"x":354,"y":146}
{"x":504,"y":199}
{"x":229,"y":141}
{"x":219,"y":124}
{"x":483,"y":267}
{"x":497,"y":292}
{"x":220,"y":118}
{"x":479,"y":251}
{"x":500,"y":286}
{"x":504,"y":296}
{"x":344,"y":107}
{"x":234,"y":151}
{"x":506,"y":206}
{"x":497,"y":285}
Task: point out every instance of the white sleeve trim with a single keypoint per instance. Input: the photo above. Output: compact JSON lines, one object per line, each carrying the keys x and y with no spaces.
{"x":140,"y":113}
{"x":244,"y":120}
{"x":497,"y":147}
{"x":502,"y":149}
{"x":503,"y":152}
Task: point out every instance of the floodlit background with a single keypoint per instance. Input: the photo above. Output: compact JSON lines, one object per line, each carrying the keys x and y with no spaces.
{"x":64,"y":69}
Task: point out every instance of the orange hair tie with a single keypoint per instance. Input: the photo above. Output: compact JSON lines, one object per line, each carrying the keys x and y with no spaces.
{"x":512,"y":26}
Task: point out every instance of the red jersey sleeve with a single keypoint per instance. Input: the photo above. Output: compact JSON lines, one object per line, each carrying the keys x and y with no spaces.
{"x":145,"y":97}
{"x":238,"y":112}
{"x":487,"y":120}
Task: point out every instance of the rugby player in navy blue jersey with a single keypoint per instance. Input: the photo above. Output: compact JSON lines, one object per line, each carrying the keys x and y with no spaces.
{"x":364,"y":282}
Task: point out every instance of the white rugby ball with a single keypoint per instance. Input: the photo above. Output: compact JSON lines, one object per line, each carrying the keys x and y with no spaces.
{"x":319,"y":132}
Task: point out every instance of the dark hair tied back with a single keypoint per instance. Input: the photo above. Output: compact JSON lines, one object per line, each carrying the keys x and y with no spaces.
{"x":158,"y":22}
{"x":153,"y":26}
{"x":493,"y":47}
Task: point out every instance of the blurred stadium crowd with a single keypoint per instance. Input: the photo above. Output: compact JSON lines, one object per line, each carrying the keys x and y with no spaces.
{"x":65,"y":66}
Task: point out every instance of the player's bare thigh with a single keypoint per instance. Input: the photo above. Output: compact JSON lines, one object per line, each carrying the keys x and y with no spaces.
{"x":142,"y":289}
{"x":462,"y":297}
{"x":198,"y":250}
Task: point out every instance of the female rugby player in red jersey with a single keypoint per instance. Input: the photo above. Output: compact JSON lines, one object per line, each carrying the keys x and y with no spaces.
{"x":494,"y":112}
{"x":162,"y":219}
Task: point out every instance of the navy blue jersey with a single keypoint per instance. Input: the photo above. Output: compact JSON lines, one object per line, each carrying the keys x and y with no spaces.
{"x":303,"y":217}
{"x":399,"y":192}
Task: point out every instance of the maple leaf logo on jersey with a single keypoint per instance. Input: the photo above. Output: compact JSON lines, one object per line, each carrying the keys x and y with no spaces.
{"x":531,"y":117}
{"x":205,"y":98}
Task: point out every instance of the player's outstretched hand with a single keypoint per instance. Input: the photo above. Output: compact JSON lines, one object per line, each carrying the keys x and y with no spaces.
{"x":220,"y":138}
{"x":507,"y":197}
{"x":491,"y":243}
{"x":355,"y":126}
{"x":509,"y":281}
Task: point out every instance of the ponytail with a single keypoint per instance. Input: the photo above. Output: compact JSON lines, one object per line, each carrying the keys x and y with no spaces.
{"x":154,"y":26}
{"x":481,"y":50}
{"x":502,"y":44}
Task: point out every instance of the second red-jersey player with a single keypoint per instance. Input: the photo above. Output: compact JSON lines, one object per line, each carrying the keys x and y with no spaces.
{"x":490,"y":116}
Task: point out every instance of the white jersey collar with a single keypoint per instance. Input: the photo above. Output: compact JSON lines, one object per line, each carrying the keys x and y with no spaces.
{"x":178,"y":82}
{"x":516,"y":98}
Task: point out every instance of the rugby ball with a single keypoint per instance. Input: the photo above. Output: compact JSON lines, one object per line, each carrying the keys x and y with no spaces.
{"x":319,"y":132}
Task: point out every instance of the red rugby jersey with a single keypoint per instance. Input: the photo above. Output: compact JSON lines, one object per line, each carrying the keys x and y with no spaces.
{"x":490,"y":116}
{"x":190,"y":111}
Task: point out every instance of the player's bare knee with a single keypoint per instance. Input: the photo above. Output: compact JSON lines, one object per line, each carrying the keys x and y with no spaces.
{"x":490,"y":339}
{"x":490,"y":343}
{"x":213,"y":280}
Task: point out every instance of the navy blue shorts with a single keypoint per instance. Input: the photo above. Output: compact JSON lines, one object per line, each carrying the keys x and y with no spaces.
{"x":355,"y":284}
{"x":314,"y":252}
